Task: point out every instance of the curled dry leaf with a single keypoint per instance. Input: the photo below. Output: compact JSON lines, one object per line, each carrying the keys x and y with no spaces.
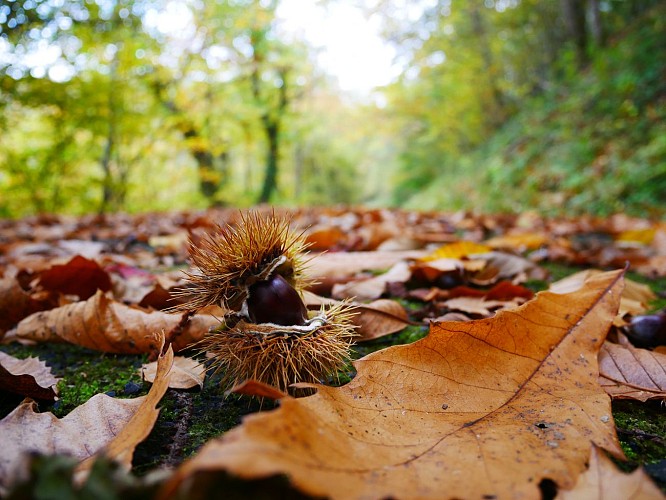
{"x":28,"y":377}
{"x":341,"y":264}
{"x":486,"y":408}
{"x":102,"y":324}
{"x":379,"y":318}
{"x":635,"y":296}
{"x":185,"y":374}
{"x":372,"y":288}
{"x":603,"y":481}
{"x":258,"y":389}
{"x":16,"y":304}
{"x":102,"y":425}
{"x":480,"y":305}
{"x":627,"y":372}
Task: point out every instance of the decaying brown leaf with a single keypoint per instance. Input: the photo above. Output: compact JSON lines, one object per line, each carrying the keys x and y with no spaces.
{"x":102,"y":425}
{"x":603,"y":481}
{"x":480,"y":409}
{"x":185,"y":374}
{"x":28,"y":377}
{"x":372,"y":288}
{"x":16,"y":304}
{"x":379,"y":318}
{"x":102,"y":324}
{"x":349,"y":263}
{"x":480,"y":306}
{"x":79,"y":276}
{"x":627,"y":372}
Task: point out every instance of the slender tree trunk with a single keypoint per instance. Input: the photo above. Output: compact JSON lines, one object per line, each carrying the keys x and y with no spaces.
{"x":574,"y":15}
{"x":481,"y":33}
{"x":272,"y":154}
{"x":105,"y":163}
{"x":596,"y":24}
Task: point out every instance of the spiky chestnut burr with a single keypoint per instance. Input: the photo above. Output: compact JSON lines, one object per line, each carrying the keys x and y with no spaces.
{"x":255,"y":271}
{"x":229,"y":261}
{"x":283,"y":355}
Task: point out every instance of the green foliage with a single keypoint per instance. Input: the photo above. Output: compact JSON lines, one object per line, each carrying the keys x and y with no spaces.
{"x":594,"y":143}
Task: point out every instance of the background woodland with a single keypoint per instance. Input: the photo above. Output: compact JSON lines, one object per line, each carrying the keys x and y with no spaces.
{"x":503,"y":105}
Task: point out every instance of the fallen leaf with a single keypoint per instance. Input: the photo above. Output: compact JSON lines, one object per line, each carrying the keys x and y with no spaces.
{"x":520,"y":242}
{"x":80,"y":276}
{"x":372,"y":288}
{"x":635,"y":296}
{"x":480,"y":305}
{"x":102,"y":425}
{"x":258,"y":389}
{"x":28,"y":377}
{"x":486,"y":408}
{"x":627,"y":372}
{"x":655,"y":267}
{"x":603,"y":481}
{"x":105,"y":325}
{"x":342,"y":264}
{"x":510,"y":266}
{"x":379,"y":318}
{"x":185,"y":374}
{"x":16,"y":304}
{"x":456,"y":251}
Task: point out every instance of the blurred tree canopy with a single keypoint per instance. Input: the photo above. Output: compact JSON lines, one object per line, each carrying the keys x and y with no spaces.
{"x":158,"y":104}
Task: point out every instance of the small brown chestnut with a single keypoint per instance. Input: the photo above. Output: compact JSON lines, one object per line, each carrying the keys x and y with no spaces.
{"x":275,"y":301}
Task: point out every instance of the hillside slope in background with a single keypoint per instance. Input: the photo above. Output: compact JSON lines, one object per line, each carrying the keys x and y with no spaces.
{"x":596,"y":142}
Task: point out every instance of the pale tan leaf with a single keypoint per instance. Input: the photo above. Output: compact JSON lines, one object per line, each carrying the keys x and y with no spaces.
{"x":185,"y":374}
{"x":480,"y":305}
{"x":341,"y":264}
{"x":635,"y":296}
{"x":479,"y":409}
{"x":372,"y":288}
{"x":603,"y":481}
{"x":102,"y":324}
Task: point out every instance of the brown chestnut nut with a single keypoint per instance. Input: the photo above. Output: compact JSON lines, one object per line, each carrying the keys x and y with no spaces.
{"x":275,"y":301}
{"x":648,"y":330}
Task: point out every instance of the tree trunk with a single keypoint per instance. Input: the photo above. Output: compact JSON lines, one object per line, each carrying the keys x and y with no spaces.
{"x":272,"y":153}
{"x":574,"y":16}
{"x":596,"y":25}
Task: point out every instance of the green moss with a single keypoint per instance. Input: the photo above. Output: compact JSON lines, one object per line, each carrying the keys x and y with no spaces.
{"x":641,"y":429}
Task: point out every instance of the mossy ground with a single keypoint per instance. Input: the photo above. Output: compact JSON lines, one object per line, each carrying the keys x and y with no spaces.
{"x":188,"y":419}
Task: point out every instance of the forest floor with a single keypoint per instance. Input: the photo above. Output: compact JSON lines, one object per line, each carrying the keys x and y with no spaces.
{"x":138,"y":261}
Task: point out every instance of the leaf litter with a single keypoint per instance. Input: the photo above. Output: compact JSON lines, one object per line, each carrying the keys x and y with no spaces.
{"x":476,"y":259}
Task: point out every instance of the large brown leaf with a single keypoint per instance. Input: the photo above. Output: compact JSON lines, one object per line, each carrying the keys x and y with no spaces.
{"x":102,"y":324}
{"x":485,"y":408}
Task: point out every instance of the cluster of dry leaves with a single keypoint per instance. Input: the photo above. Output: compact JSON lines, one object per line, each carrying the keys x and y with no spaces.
{"x":507,"y":391}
